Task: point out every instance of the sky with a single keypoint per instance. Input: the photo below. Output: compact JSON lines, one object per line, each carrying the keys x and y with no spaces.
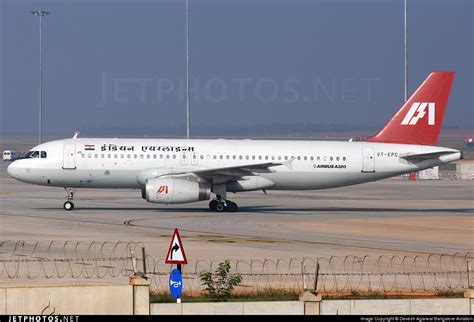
{"x":119,"y":67}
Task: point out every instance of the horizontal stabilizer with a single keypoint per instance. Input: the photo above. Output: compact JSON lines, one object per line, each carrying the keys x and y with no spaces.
{"x":425,"y":156}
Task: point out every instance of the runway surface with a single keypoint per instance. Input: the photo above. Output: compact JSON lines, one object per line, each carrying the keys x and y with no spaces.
{"x":380,"y":218}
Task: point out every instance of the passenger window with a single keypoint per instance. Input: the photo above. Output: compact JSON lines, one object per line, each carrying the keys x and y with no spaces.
{"x":325,"y":158}
{"x":89,"y":155}
{"x":253,"y":157}
{"x":214,"y":156}
{"x":319,"y":158}
{"x":96,"y":155}
{"x":43,"y":154}
{"x":147,"y":156}
{"x":240,"y":157}
{"x":299,"y":158}
{"x":246,"y":157}
{"x":202,"y":156}
{"x":311,"y":158}
{"x":330,"y":159}
{"x":174,"y":156}
{"x":286,"y":157}
{"x":279,"y":157}
{"x":266,"y":157}
{"x":102,"y":156}
{"x":343,"y":158}
{"x":154,"y":156}
{"x":260,"y":157}
{"x":141,"y":156}
{"x":337,"y":158}
{"x":227,"y":157}
{"x":134,"y":156}
{"x":122,"y":156}
{"x":305,"y":158}
{"x":221,"y":157}
{"x":234,"y":157}
{"x":161,"y":156}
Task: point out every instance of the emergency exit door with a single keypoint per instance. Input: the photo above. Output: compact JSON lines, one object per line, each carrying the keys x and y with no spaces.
{"x":69,"y":156}
{"x":368,"y":160}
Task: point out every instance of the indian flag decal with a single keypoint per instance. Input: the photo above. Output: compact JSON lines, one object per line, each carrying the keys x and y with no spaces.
{"x":89,"y":147}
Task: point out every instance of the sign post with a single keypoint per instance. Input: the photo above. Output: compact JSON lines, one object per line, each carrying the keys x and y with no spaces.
{"x":176,"y":256}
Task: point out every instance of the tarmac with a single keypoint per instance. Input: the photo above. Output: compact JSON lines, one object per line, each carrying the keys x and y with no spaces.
{"x":390,"y":217}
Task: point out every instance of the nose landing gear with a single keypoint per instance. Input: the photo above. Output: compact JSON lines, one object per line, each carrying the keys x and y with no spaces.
{"x":69,"y":204}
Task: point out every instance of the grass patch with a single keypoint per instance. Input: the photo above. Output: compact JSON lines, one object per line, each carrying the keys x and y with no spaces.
{"x":266,"y":295}
{"x":284,"y":295}
{"x":381,"y":296}
{"x":448,"y":167}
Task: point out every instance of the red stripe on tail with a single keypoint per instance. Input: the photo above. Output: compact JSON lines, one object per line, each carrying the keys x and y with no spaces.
{"x":419,"y":120}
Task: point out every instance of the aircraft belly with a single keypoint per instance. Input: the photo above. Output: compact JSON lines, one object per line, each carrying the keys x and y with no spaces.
{"x":292,"y":180}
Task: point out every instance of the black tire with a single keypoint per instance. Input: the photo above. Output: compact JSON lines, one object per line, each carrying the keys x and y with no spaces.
{"x":213,"y":204}
{"x":220,"y":207}
{"x":232,"y":206}
{"x":68,"y":205}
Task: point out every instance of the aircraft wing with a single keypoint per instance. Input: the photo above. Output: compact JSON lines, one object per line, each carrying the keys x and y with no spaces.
{"x":224,"y":174}
{"x":240,"y":171}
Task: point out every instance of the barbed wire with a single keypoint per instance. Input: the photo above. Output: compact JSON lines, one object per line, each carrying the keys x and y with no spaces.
{"x":88,"y":260}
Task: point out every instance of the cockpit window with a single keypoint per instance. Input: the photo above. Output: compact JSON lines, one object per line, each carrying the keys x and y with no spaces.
{"x":43,"y":154}
{"x":32,"y":154}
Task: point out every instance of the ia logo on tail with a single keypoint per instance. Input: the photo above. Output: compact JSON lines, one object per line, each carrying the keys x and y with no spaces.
{"x":411,"y":118}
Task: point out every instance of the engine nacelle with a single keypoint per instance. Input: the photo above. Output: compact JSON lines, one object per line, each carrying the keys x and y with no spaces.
{"x":173,"y":190}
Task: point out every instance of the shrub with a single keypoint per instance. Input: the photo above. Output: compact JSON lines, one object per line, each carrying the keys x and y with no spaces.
{"x":219,"y":285}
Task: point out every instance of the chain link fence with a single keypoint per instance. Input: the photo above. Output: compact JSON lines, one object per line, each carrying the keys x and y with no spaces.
{"x":105,"y":260}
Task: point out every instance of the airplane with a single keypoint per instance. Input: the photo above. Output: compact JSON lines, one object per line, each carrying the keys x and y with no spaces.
{"x":172,"y":171}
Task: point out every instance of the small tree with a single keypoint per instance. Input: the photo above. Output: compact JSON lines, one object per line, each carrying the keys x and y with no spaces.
{"x":222,"y":285}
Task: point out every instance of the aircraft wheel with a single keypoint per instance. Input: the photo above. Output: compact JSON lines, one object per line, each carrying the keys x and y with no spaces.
{"x":220,"y":207}
{"x":213,"y":204}
{"x":68,"y":205}
{"x":231,"y":206}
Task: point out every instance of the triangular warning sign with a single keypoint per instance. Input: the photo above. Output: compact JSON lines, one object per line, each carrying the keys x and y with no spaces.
{"x":176,"y":251}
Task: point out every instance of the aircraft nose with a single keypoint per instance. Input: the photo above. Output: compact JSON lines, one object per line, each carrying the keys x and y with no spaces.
{"x":13,"y":170}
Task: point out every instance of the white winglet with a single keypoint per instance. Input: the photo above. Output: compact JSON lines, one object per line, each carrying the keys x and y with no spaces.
{"x":289,"y":163}
{"x":76,"y":134}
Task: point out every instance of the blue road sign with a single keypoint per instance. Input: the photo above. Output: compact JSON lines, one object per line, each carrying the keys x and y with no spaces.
{"x":176,"y":284}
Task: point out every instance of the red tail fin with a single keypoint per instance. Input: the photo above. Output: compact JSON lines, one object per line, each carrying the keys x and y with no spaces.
{"x":419,"y":120}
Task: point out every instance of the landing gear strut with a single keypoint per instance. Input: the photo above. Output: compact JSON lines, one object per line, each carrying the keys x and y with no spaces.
{"x":221,"y":205}
{"x":69,"y":204}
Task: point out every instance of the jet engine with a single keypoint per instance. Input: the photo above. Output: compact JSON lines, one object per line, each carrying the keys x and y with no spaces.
{"x":174,"y":190}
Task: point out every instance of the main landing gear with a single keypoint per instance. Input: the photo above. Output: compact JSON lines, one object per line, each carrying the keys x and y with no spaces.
{"x":69,"y":205}
{"x":221,"y":205}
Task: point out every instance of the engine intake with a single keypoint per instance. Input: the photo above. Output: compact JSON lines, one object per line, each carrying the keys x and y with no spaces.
{"x":173,"y":190}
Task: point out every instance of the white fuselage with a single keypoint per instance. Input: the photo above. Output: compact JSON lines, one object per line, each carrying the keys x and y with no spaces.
{"x":128,"y":163}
